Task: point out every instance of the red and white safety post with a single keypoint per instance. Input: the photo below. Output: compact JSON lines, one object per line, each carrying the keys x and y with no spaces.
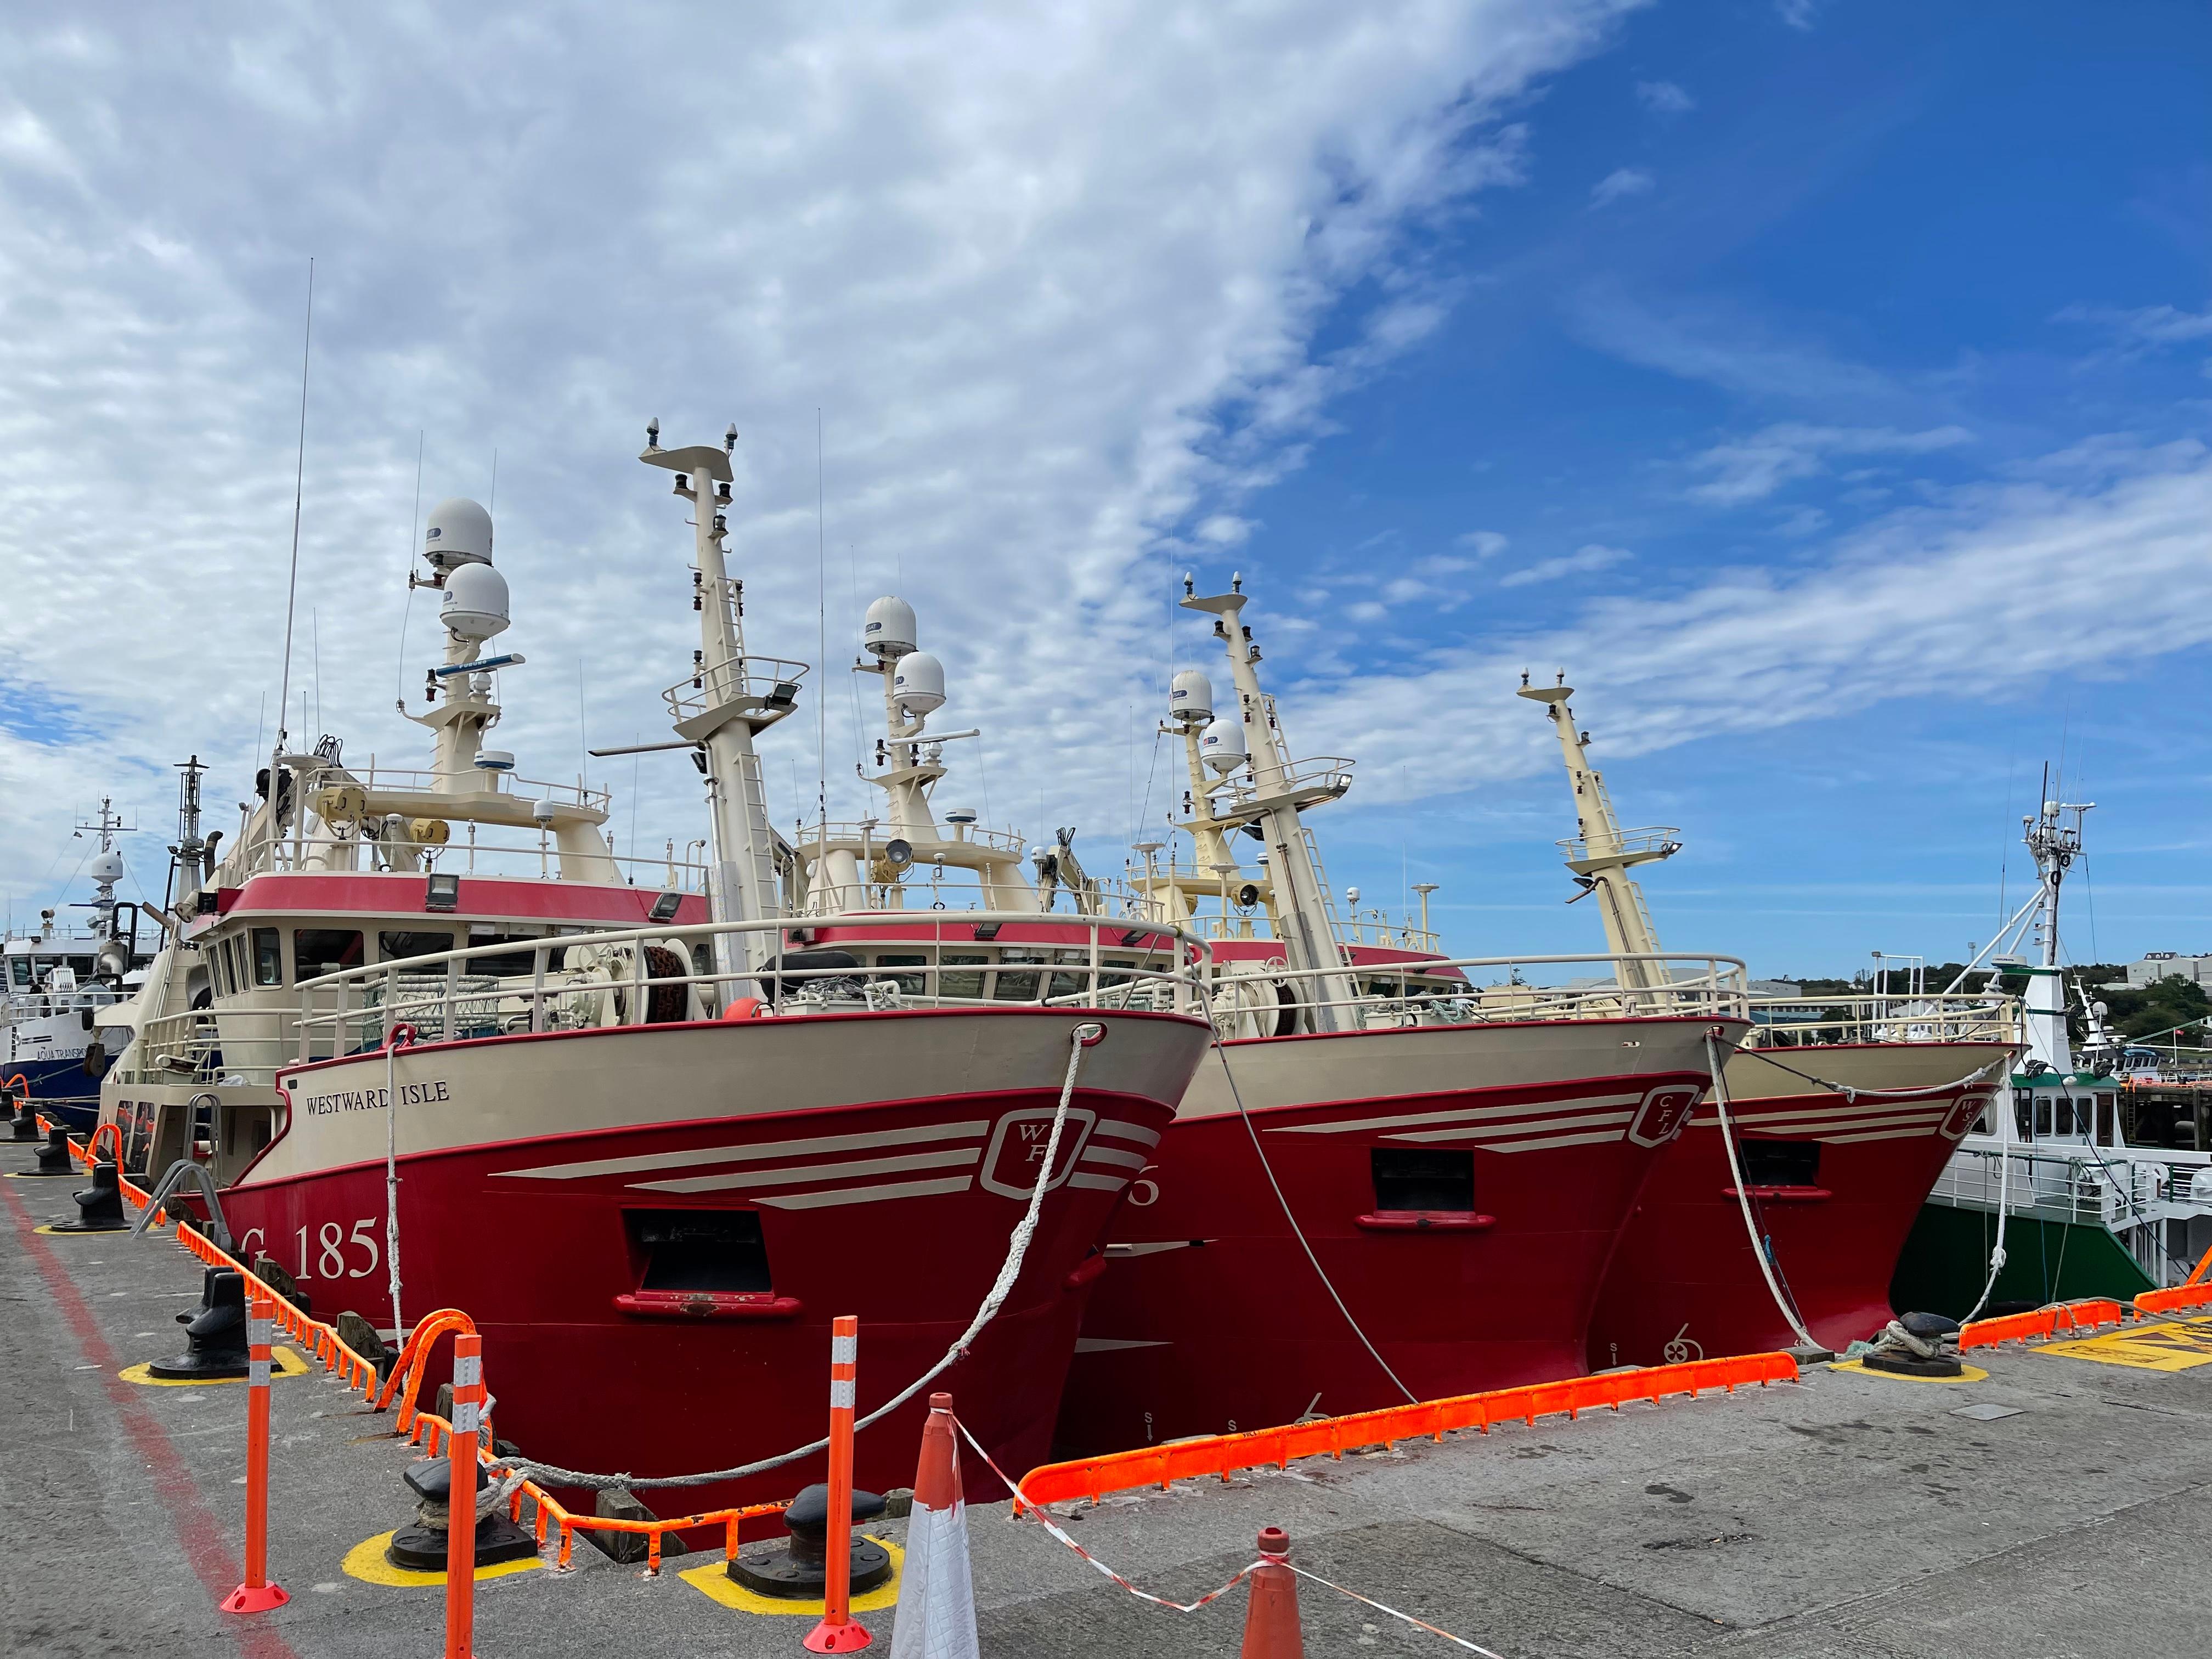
{"x":257,"y":1594}
{"x":461,"y":1504}
{"x":839,"y":1632}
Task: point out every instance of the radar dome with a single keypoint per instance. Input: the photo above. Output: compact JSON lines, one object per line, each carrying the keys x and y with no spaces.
{"x":1222,"y":743}
{"x":889,"y":631}
{"x":107,"y":867}
{"x":458,"y":533}
{"x":475,"y":602}
{"x":1190,"y":696}
{"x":918,"y":683}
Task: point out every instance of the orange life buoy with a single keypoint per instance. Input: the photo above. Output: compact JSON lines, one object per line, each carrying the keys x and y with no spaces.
{"x":746,"y":1008}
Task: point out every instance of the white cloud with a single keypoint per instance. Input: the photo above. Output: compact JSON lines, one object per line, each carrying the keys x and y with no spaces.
{"x":1583,"y":562}
{"x":1483,"y":543}
{"x":1797,"y":13}
{"x":2143,"y":328}
{"x":1753,"y":468}
{"x":1720,"y":343}
{"x":1052,"y":277}
{"x":1664,"y":98}
{"x":1621,"y":181}
{"x":1982,"y":595}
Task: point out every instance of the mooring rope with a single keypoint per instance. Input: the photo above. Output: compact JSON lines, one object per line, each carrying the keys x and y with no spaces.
{"x":1017,"y":1246}
{"x":1298,"y":1232}
{"x":1851,"y":1093}
{"x":1743,"y":1195}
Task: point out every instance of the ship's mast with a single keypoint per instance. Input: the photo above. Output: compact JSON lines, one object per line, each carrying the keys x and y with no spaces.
{"x":1305,"y":919}
{"x":2054,"y":844}
{"x":1602,"y":854}
{"x":727,"y":705}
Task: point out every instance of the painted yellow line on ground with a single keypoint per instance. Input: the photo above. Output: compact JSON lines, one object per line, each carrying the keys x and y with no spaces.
{"x":2171,"y":1347}
{"x":713,"y":1581}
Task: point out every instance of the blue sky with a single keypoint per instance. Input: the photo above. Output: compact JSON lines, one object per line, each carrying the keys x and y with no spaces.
{"x":1823,"y":386}
{"x":1945,"y":237}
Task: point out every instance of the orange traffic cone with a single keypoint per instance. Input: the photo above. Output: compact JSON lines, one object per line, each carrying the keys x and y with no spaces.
{"x":1271,"y":1622}
{"x":936,"y":1617}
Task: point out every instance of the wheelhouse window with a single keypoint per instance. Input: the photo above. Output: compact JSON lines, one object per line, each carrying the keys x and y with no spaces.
{"x":19,"y":972}
{"x":269,"y":955}
{"x":1016,"y":986}
{"x":912,"y":984}
{"x":968,"y":983}
{"x":397,"y":946}
{"x":1422,"y":1178}
{"x":319,"y":951}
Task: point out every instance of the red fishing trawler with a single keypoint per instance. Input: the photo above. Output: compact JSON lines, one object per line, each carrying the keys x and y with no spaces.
{"x":654,"y":1162}
{"x":1389,"y":1181}
{"x":1841,"y":1113}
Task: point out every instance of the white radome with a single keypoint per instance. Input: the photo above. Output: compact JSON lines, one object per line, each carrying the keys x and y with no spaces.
{"x":918,"y":683}
{"x":107,"y":867}
{"x":889,"y":631}
{"x":1190,"y":696}
{"x":475,"y":606}
{"x":458,"y":532}
{"x":1222,"y":744}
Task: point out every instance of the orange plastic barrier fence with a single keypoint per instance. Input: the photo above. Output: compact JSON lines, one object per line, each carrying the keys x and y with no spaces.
{"x":430,"y":1431}
{"x":1221,"y":1454}
{"x":2086,"y":1315}
{"x":2191,"y":1295}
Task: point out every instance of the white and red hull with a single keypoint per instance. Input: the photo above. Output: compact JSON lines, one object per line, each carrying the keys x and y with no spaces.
{"x":1686,"y":1285}
{"x":1209,"y":1318}
{"x":883,"y":1158}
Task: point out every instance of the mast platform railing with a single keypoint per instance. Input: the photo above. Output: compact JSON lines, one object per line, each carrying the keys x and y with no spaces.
{"x":1329,"y":775}
{"x":1656,"y":841}
{"x":417,"y":781}
{"x":765,"y":681}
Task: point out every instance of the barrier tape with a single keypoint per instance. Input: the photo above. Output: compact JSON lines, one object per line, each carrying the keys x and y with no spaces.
{"x":1419,"y":1624}
{"x":1024,"y":1506}
{"x":1222,"y":1454}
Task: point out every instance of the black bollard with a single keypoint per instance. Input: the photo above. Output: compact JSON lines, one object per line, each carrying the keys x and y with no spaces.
{"x":99,"y":1206}
{"x":419,"y":1546}
{"x":1918,"y":1345}
{"x":54,"y":1158}
{"x":796,"y":1572}
{"x":215,"y":1333}
{"x":24,"y":1126}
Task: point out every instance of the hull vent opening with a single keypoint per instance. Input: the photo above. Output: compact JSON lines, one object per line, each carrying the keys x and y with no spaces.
{"x":701,"y":1251}
{"x":1424,"y":1179}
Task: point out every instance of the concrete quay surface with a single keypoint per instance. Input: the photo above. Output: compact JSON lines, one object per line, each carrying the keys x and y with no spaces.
{"x":2059,"y":1508}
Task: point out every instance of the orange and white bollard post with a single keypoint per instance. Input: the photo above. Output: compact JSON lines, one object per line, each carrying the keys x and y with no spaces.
{"x":461,"y":1505}
{"x":257,"y":1594}
{"x":839,"y":1632}
{"x":1271,"y":1621}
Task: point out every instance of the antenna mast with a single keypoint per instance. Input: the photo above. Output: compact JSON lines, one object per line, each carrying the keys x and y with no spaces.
{"x":1601,"y":856}
{"x":299,"y":485}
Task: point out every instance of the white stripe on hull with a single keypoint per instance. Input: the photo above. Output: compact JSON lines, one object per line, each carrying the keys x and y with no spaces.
{"x":1541,"y":1108}
{"x":1497,"y":1137}
{"x":699,"y":1155}
{"x":966,"y":1157}
{"x":837,"y":1195}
